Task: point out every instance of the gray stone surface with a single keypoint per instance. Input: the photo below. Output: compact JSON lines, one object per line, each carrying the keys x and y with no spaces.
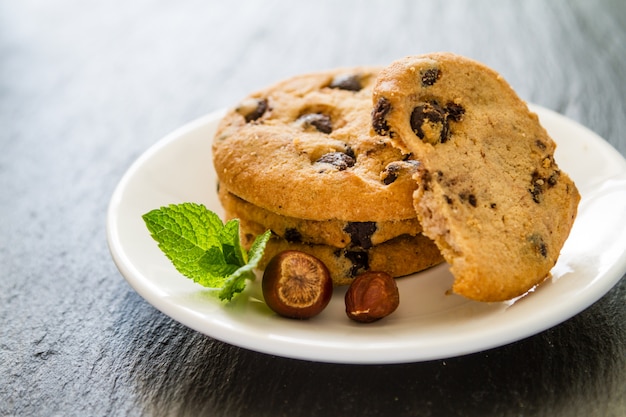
{"x":86,"y":86}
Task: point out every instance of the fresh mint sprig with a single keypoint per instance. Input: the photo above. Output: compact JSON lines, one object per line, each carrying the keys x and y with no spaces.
{"x":203,"y":248}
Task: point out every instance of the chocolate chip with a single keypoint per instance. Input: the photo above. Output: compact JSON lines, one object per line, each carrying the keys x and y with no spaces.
{"x":454,"y":111}
{"x":538,"y":244}
{"x":469,"y":197}
{"x":430,"y":76}
{"x":430,"y":112}
{"x":390,"y":174}
{"x":361,"y":233}
{"x":256,"y":112}
{"x":379,"y":114}
{"x":293,"y":235}
{"x":340,"y":160}
{"x":349,"y":82}
{"x":553,"y":178}
{"x":537,"y":185}
{"x":394,"y":169}
{"x":426,"y":179}
{"x":493,"y":205}
{"x":536,"y":193}
{"x":543,"y":250}
{"x":433,"y":113}
{"x":319,"y":121}
{"x":445,"y":132}
{"x":360,"y":262}
{"x":448,"y":199}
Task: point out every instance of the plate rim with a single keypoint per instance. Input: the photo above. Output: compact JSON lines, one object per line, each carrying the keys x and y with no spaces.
{"x":237,"y":338}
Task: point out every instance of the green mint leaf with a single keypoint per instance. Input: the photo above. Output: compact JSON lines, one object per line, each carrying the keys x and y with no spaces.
{"x":237,"y":281}
{"x":233,"y":251}
{"x":202,"y":248}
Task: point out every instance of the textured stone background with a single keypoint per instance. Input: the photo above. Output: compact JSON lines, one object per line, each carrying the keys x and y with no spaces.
{"x":86,"y":86}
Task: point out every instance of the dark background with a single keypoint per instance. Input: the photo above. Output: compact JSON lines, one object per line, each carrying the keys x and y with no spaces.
{"x":86,"y":86}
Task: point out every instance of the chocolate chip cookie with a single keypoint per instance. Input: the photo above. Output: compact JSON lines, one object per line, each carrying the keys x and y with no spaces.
{"x":299,"y":158}
{"x":400,"y":256}
{"x":490,"y":193}
{"x":337,"y":233}
{"x":302,"y":148}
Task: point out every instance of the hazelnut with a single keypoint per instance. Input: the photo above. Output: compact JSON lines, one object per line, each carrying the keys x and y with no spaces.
{"x":372,"y":296}
{"x":296,"y":285}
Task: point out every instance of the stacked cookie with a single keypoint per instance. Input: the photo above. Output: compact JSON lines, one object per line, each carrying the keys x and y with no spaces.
{"x":299,"y":158}
{"x":362,"y":167}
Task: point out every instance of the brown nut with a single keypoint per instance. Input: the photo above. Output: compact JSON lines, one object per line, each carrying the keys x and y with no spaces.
{"x":296,"y":285}
{"x":372,"y":296}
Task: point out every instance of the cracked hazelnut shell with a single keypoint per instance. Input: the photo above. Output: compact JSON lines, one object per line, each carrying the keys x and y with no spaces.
{"x":296,"y":285}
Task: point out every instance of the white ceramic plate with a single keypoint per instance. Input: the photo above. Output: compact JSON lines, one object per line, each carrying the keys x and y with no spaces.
{"x":429,"y":324}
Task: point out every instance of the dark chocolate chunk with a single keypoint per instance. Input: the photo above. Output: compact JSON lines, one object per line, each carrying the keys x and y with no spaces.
{"x":454,"y":111}
{"x":340,"y":160}
{"x":430,"y":112}
{"x":360,"y":262}
{"x":261,"y":108}
{"x":349,"y":82}
{"x":426,"y":179}
{"x":553,"y":178}
{"x":390,"y":174}
{"x":319,"y":121}
{"x":293,"y":235}
{"x":393,"y":170}
{"x":538,"y":245}
{"x":445,"y":132}
{"x":536,"y":193}
{"x":469,"y":197}
{"x":537,"y":185}
{"x":434,"y":113}
{"x":379,"y":114}
{"x":448,"y":199}
{"x":417,"y":119}
{"x":493,"y":205}
{"x":430,"y":76}
{"x":361,"y":233}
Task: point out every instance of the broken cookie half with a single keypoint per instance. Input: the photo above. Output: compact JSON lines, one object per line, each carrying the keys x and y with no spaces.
{"x":490,"y":193}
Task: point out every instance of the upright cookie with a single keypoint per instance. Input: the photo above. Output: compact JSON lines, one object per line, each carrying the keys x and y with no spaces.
{"x":490,"y":193}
